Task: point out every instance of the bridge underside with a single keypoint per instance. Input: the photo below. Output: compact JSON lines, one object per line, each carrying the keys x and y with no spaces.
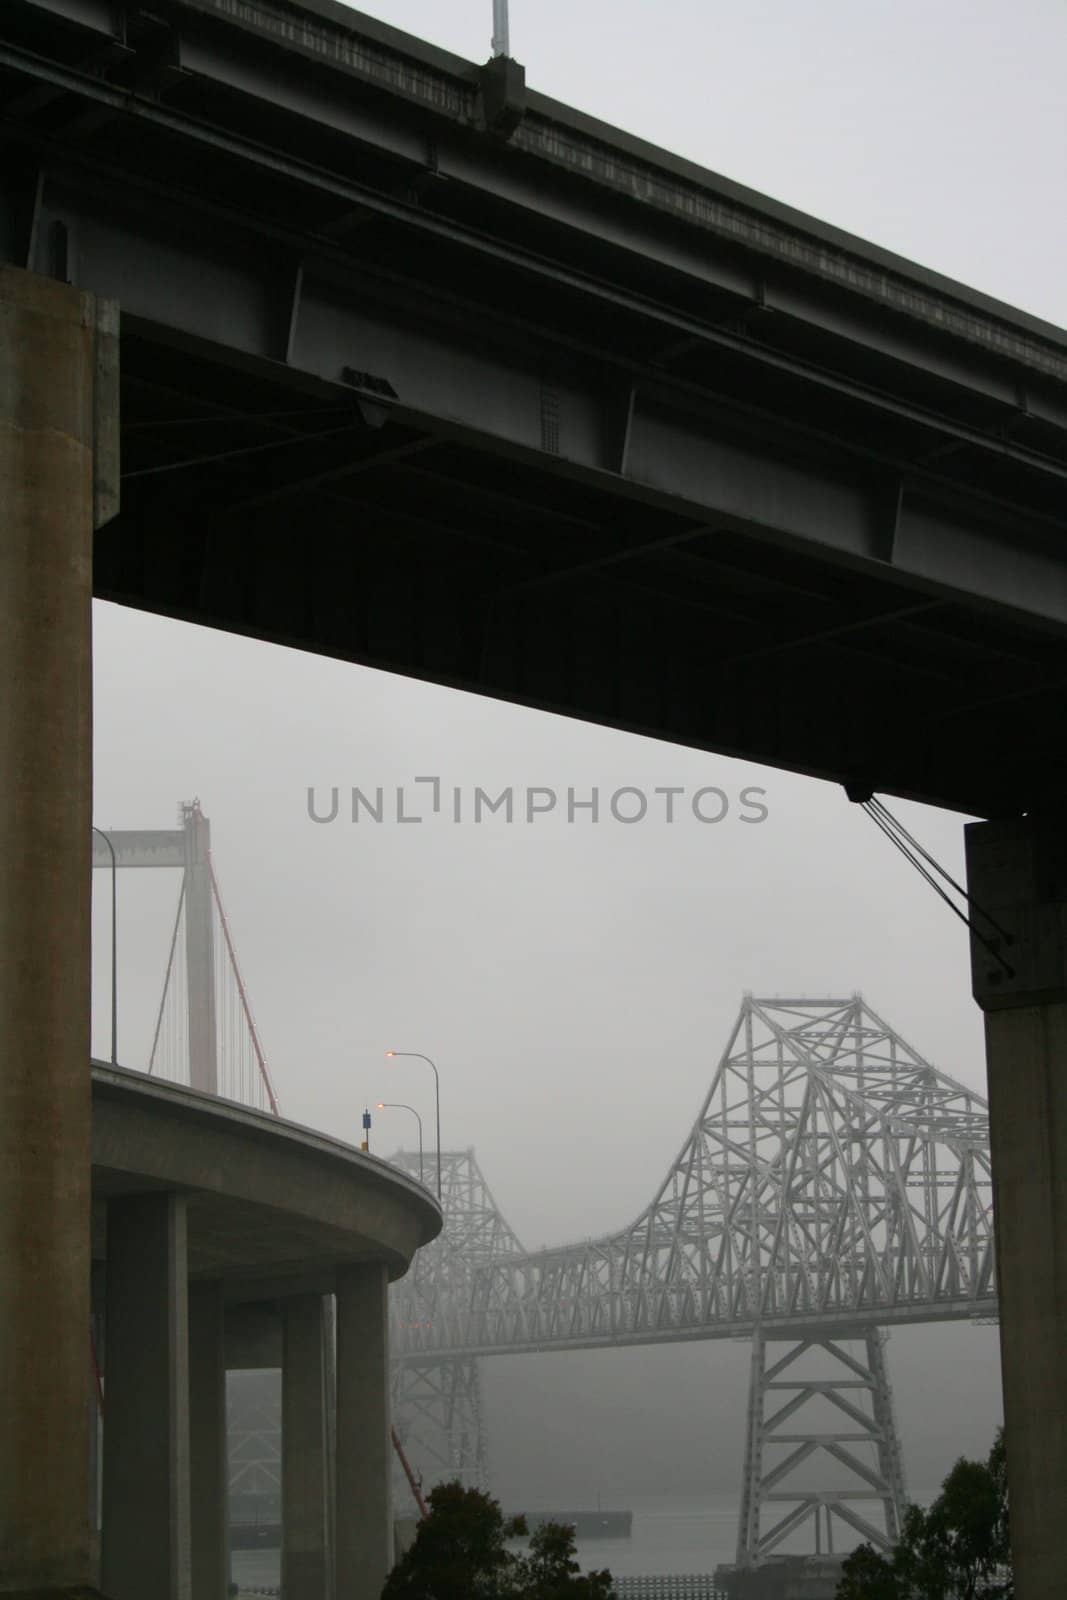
{"x":559,"y":419}
{"x":446,"y":554}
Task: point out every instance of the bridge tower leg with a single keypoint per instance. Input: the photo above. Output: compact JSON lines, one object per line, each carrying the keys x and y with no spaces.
{"x":1017,"y":876}
{"x":819,"y":1399}
{"x":439,"y":1417}
{"x":200,"y":951}
{"x":58,"y":359}
{"x":748,"y":1527}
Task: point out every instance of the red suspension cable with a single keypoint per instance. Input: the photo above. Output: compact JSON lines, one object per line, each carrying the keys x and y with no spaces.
{"x":257,"y":1047}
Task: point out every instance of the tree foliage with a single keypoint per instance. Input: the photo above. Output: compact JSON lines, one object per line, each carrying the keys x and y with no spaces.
{"x":461,"y":1552}
{"x":957,"y":1550}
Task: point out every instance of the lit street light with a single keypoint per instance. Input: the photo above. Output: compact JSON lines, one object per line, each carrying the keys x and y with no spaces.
{"x":398,"y":1105}
{"x":417,"y":1055}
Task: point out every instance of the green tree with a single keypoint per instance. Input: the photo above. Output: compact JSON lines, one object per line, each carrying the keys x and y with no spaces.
{"x":869,"y":1576}
{"x":461,"y":1552}
{"x":552,"y":1573}
{"x":957,"y":1550}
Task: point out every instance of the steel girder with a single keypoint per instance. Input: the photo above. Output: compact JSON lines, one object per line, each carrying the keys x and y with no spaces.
{"x":277,"y":278}
{"x":833,"y":1177}
{"x":507,"y":382}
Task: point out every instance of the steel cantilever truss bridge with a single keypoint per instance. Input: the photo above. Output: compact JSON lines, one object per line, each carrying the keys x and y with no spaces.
{"x":834,"y":1183}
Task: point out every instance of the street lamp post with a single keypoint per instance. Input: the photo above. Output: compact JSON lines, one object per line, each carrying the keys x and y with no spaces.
{"x":501,"y":38}
{"x":417,"y":1055}
{"x":114,"y":950}
{"x":398,"y":1105}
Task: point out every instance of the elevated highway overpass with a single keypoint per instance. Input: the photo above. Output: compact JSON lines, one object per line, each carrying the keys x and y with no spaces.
{"x":412,"y":366}
{"x":575,"y":422}
{"x":217,"y":1230}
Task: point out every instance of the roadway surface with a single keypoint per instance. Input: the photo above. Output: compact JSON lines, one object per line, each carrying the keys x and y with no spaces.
{"x":273,"y":1208}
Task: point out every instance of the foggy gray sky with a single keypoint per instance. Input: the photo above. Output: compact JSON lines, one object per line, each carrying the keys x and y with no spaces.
{"x":576,"y":984}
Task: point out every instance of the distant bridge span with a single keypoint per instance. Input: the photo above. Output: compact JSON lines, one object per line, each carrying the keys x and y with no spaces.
{"x":832,"y":1177}
{"x":833,"y":1183}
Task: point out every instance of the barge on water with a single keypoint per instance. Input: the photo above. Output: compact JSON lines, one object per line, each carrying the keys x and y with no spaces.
{"x":586,"y":1524}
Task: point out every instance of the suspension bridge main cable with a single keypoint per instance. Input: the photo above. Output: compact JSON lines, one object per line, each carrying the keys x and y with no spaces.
{"x":166,"y":980}
{"x":246,"y":1006}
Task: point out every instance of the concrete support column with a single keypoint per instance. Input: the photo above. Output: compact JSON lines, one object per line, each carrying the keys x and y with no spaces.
{"x":51,"y":403}
{"x":1017,"y":873}
{"x":208,"y":1457}
{"x":363,"y":1521}
{"x":305,"y":1564}
{"x":146,"y":1547}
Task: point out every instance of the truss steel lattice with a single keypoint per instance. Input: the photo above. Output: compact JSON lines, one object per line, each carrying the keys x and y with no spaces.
{"x":819,"y":1406}
{"x":439,"y":1419}
{"x":833,"y":1176}
{"x":834,"y":1182}
{"x":437,"y":1401}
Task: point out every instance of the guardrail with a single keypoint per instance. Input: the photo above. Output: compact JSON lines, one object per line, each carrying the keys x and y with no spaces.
{"x":673,"y":1586}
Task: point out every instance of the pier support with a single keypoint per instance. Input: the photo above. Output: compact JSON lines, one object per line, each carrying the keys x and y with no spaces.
{"x":58,"y":424}
{"x":146,"y":1542}
{"x":815,"y":1402}
{"x":364,"y":1520}
{"x":1017,"y":876}
{"x":305,"y":1566}
{"x":439,"y":1414}
{"x":208,"y":1458}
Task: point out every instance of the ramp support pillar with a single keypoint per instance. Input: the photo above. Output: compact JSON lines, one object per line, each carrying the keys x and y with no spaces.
{"x":208,"y":1459}
{"x":364,"y":1518}
{"x":146,"y":1534}
{"x":1017,"y":876}
{"x":305,"y":1566}
{"x":58,"y":434}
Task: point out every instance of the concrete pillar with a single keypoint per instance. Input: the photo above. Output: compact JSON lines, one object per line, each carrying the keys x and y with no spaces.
{"x":96,"y":1423}
{"x":1017,"y":873}
{"x":304,"y":1554}
{"x":363,"y":1520}
{"x":208,"y":1456}
{"x":53,"y":344}
{"x":146,"y":1425}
